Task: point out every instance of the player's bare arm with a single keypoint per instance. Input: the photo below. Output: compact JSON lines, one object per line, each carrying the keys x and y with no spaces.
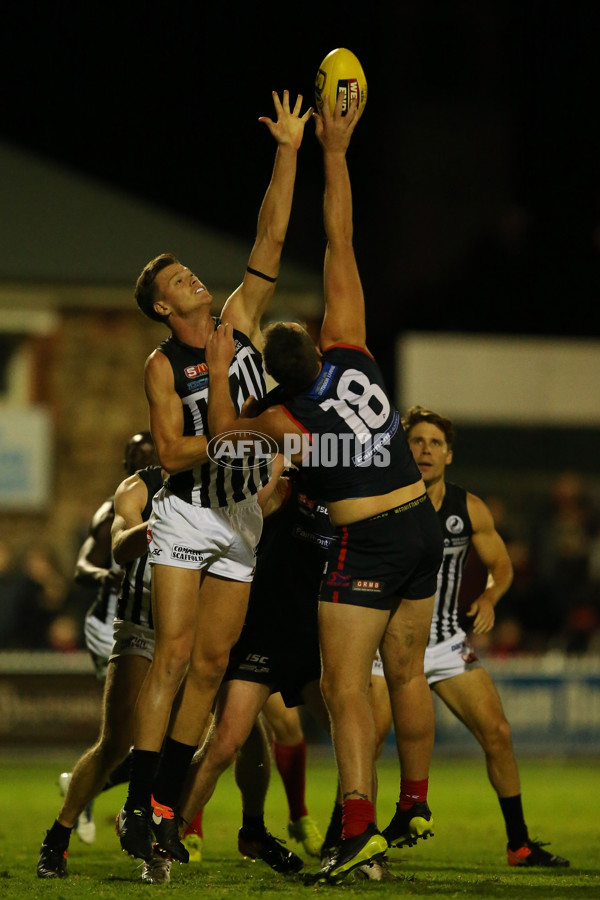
{"x":270,"y":497}
{"x":128,"y":533}
{"x":245,"y":307}
{"x":344,"y":319}
{"x":91,"y":566}
{"x":176,"y":452}
{"x":222,"y":416}
{"x":492,"y":551}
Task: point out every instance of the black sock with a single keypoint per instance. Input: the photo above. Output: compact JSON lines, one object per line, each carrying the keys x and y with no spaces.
{"x":143,"y":771}
{"x":58,"y":836}
{"x":120,"y":774}
{"x":253,"y":826}
{"x":516,"y":829}
{"x":334,"y":829}
{"x":172,"y":772}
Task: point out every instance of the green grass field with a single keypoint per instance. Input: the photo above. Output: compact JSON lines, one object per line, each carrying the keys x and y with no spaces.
{"x":466,"y":858}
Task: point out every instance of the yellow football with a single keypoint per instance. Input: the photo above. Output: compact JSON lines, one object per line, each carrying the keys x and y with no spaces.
{"x":341,"y":73}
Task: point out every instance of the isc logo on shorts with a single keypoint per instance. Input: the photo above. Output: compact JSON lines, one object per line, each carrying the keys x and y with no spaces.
{"x":256,"y":663}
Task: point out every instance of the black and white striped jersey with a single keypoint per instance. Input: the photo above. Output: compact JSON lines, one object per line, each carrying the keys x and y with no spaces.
{"x":457,"y":532}
{"x":210,"y":484}
{"x":105,"y":602}
{"x":134,"y":599}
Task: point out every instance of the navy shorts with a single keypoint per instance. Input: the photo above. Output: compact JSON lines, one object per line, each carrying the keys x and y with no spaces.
{"x":279,"y":661}
{"x":279,"y":643}
{"x":394,"y":555}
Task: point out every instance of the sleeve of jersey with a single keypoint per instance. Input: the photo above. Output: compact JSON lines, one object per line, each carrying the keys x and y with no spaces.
{"x":275,"y":397}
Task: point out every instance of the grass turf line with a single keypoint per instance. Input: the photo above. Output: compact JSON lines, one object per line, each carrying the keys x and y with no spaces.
{"x":466,"y":858}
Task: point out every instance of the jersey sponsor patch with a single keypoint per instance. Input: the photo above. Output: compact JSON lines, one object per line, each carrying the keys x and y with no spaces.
{"x":186,"y":554}
{"x":367,"y":585}
{"x":134,"y":642}
{"x":328,"y":370}
{"x":198,"y":384}
{"x":379,"y":441}
{"x":311,"y":537}
{"x":198,"y":369}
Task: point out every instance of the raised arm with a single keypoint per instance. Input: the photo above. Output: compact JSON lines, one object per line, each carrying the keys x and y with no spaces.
{"x":222,"y":416}
{"x":176,"y":452}
{"x":245,"y":307}
{"x":344,"y":319}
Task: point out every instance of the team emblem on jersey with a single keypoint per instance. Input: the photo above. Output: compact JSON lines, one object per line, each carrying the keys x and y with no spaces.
{"x":336,"y":579}
{"x":455,"y":524}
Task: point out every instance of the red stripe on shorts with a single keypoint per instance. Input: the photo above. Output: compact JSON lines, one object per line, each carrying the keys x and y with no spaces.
{"x":341,"y":558}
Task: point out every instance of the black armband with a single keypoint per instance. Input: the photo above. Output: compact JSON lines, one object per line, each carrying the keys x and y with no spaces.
{"x":260,"y":274}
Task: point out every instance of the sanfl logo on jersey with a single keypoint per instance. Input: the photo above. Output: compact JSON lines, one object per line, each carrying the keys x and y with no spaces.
{"x":455,"y":524}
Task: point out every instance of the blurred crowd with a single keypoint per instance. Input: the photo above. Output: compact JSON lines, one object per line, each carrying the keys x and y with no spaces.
{"x":41,"y":607}
{"x":553,"y":604}
{"x":554,"y":601}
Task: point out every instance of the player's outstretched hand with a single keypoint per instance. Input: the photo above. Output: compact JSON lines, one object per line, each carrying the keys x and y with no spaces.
{"x":334,"y":130}
{"x":289,"y":127}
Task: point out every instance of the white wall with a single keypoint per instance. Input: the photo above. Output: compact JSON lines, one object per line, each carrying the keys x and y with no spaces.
{"x":500,"y":380}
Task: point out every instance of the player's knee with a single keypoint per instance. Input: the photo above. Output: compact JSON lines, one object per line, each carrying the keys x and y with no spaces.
{"x":286,"y":731}
{"x":504,"y":733}
{"x":497,"y":735}
{"x":170,"y":661}
{"x":223,"y":753}
{"x":225,"y":746}
{"x":209,"y":669}
{"x":338,"y":691}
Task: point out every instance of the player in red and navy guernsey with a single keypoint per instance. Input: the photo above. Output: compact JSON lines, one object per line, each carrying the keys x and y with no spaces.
{"x":337,"y":422}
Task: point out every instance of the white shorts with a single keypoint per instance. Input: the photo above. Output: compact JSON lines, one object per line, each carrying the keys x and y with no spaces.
{"x":99,"y":641}
{"x":222,"y":541}
{"x":377,"y":667}
{"x":132,"y":640}
{"x":452,"y":657}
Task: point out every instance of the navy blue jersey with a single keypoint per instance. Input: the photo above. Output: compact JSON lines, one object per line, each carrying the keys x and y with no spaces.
{"x":457,"y":532}
{"x":354,"y":444}
{"x":290,"y":559}
{"x":279,"y":643}
{"x":210,"y":484}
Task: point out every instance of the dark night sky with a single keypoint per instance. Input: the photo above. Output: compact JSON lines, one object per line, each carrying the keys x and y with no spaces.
{"x":162,"y":99}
